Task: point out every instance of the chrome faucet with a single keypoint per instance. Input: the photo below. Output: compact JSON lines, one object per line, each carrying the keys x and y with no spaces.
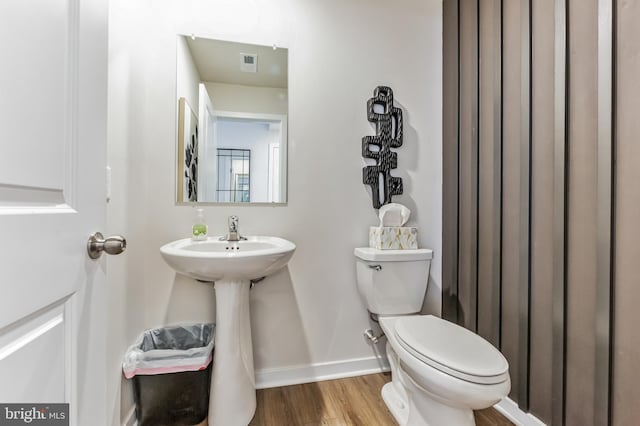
{"x":232,"y":233}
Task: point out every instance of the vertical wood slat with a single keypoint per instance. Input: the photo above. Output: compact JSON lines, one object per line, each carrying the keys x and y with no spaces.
{"x":582,"y":215}
{"x":489,"y":174}
{"x":501,"y":218}
{"x":604,"y":225}
{"x":511,"y":190}
{"x":626,"y":339}
{"x":543,"y":253}
{"x":468,"y":165}
{"x":524,"y":252}
{"x":560,"y":167}
{"x":451,"y":140}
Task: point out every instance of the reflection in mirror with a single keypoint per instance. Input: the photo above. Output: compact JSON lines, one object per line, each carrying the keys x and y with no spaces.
{"x":232,"y":122}
{"x":233,"y":175}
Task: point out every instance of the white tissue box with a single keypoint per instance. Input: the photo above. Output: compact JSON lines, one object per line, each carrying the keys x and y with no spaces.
{"x":393,"y":237}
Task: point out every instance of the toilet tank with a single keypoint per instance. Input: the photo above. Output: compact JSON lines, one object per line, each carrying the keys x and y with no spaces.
{"x":392,"y":282}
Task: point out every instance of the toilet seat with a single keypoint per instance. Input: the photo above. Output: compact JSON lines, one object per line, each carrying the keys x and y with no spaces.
{"x":451,"y":349}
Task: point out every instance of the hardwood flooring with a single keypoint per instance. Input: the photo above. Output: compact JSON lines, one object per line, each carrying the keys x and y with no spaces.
{"x":353,"y":401}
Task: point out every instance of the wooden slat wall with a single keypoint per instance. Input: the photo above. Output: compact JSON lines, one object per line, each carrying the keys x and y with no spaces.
{"x":582,"y":211}
{"x":489,"y":175}
{"x":468,"y":165}
{"x":546,"y":176}
{"x":450,"y":159}
{"x":626,"y":264}
{"x":542,"y":207}
{"x":514,"y":149}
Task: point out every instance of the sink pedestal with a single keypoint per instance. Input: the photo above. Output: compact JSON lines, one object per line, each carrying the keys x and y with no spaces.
{"x":233,"y":385}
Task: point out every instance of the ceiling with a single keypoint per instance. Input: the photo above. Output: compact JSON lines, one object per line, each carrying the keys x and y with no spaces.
{"x":219,"y":61}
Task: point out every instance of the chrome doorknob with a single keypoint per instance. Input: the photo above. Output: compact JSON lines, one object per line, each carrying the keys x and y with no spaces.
{"x":115,"y":244}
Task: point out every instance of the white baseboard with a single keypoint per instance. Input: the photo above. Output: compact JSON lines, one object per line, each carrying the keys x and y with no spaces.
{"x":275,"y":377}
{"x":510,"y":410}
{"x":131,"y":420}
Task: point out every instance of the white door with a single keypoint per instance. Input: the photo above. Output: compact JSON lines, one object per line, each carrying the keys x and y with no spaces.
{"x":53,"y":66}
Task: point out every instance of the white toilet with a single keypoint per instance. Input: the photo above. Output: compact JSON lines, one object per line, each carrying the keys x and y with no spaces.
{"x":440,"y":372}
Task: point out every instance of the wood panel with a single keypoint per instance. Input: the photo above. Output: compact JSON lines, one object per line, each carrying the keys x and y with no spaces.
{"x":604,"y":235}
{"x":490,"y":172}
{"x":343,"y":402}
{"x":626,"y":349}
{"x":515,"y":105}
{"x":468,"y":165}
{"x":542,"y":206}
{"x":582,"y":212}
{"x":558,"y":303}
{"x":450,"y":143}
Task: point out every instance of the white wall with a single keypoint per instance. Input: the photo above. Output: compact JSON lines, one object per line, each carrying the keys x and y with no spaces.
{"x":239,"y":98}
{"x":187,"y":77}
{"x":340,"y":50}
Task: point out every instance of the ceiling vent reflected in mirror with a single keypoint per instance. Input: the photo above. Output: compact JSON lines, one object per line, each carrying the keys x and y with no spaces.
{"x":248,"y":62}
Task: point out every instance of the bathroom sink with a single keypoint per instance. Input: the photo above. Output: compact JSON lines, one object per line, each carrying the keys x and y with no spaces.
{"x":213,"y":260}
{"x":231,"y":265}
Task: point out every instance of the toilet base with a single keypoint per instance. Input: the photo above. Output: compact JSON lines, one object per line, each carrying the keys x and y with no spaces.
{"x":411,"y":405}
{"x":424,"y":411}
{"x":395,"y":404}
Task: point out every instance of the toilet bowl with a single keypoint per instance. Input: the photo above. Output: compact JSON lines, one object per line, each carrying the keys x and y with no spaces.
{"x":440,"y":372}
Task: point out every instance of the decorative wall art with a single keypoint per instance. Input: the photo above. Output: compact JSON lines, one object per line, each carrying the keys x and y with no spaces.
{"x":187,"y":153}
{"x":388,"y":120}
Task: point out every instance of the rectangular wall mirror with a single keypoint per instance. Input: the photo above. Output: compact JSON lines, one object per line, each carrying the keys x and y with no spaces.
{"x":232,"y":104}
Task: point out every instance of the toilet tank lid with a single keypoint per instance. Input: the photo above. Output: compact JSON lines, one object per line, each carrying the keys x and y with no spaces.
{"x":376,"y":255}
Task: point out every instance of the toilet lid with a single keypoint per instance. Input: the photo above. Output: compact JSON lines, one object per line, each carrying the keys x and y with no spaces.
{"x":451,"y":349}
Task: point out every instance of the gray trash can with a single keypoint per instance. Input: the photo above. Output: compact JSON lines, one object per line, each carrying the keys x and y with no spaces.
{"x":171,"y":372}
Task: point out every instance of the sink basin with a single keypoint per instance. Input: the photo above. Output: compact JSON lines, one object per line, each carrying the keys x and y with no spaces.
{"x":213,"y":260}
{"x":232,"y":266}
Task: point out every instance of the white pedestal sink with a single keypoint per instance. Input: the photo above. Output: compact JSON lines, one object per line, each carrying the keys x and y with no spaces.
{"x":232,"y":266}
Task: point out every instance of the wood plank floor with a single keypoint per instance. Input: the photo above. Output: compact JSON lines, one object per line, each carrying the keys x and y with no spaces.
{"x":354,"y":401}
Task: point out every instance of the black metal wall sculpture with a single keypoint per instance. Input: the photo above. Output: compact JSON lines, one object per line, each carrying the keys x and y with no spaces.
{"x":388,"y":135}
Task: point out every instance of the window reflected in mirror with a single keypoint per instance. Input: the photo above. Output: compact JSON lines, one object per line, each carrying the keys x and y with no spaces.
{"x":234,"y":178}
